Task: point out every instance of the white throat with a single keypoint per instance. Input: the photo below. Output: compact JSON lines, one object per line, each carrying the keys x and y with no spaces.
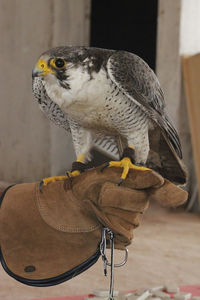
{"x":83,"y":89}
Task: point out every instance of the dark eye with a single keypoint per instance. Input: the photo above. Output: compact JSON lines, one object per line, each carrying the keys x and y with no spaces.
{"x":59,"y":63}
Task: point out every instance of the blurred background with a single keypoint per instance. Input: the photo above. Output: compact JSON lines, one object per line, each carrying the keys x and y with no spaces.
{"x":165,"y":33}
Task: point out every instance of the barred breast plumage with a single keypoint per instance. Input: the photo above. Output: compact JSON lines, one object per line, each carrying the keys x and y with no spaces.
{"x":105,"y":112}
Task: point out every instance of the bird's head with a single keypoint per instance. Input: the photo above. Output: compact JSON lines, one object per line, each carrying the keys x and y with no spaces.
{"x":48,"y":65}
{"x":53,"y":64}
{"x":58,"y":61}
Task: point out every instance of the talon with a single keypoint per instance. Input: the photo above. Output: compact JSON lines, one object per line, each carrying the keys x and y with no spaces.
{"x":48,"y":180}
{"x":40,"y":186}
{"x":104,"y":166}
{"x":69,"y":177}
{"x":120,"y":182}
{"x":126,"y":164}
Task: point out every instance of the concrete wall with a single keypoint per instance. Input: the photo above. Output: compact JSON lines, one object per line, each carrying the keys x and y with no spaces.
{"x":168,"y":59}
{"x":31,"y":148}
{"x":178,"y":33}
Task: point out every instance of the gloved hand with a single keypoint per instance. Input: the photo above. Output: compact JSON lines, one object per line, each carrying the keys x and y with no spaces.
{"x":49,"y":237}
{"x":119,"y":207}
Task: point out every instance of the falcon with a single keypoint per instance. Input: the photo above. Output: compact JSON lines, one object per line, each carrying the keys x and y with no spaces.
{"x":113,"y":98}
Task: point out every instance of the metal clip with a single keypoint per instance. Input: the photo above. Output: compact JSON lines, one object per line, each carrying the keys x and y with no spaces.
{"x":123,"y":262}
{"x":103,"y":250}
{"x":105,"y":260}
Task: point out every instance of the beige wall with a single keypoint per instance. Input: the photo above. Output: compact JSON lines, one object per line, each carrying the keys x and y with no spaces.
{"x":31,"y":148}
{"x":177,"y":20}
{"x":168,"y":59}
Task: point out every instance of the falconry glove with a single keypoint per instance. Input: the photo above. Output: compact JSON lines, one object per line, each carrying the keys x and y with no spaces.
{"x":51,"y":236}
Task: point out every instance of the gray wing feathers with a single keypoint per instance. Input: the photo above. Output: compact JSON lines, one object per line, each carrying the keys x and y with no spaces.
{"x":136,"y":79}
{"x":171,"y":134}
{"x":139,"y":83}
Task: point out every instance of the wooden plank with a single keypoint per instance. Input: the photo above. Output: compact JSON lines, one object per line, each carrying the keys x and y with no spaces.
{"x":191,"y":67}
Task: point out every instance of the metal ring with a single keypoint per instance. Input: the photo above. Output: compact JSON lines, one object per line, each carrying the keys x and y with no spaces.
{"x":123,"y":262}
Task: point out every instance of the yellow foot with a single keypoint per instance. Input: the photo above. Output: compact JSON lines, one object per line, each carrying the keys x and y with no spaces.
{"x":73,"y":173}
{"x":126,"y":164}
{"x":48,"y":180}
{"x":45,"y":181}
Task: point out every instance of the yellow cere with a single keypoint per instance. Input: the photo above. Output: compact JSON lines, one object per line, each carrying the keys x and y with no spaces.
{"x":42,"y":66}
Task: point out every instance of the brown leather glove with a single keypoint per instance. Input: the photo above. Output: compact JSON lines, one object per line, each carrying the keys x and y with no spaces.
{"x":49,"y":237}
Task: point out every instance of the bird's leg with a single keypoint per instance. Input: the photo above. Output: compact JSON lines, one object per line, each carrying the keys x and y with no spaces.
{"x":127,"y":162}
{"x":75,"y":172}
{"x":82,"y":140}
{"x":82,"y":144}
{"x":78,"y":166}
{"x":47,"y":180}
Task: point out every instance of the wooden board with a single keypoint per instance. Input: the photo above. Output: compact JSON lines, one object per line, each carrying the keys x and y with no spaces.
{"x":191,"y":74}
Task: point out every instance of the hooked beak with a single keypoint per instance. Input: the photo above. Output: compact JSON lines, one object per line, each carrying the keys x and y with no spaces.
{"x":41,"y":69}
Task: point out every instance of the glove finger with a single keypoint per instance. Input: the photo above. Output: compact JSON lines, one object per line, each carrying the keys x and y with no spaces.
{"x":123,"y":198}
{"x":169,"y":195}
{"x":89,"y":183}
